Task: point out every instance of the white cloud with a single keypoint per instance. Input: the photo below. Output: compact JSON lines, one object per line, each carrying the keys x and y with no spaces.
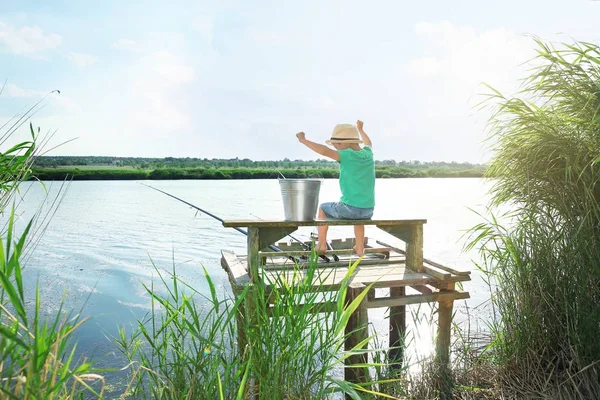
{"x":459,"y":60}
{"x":152,"y":42}
{"x":125,"y":44}
{"x":27,"y":40}
{"x":321,"y":102}
{"x":448,"y":81}
{"x":65,"y":102}
{"x":81,"y":60}
{"x":205,"y":25}
{"x":464,"y":58}
{"x":156,"y":76}
{"x":425,"y":66}
{"x":266,"y":37}
{"x":12,"y":90}
{"x":156,"y":82}
{"x":166,"y":67}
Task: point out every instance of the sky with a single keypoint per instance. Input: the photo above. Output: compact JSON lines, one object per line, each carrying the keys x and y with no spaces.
{"x":226,"y":79}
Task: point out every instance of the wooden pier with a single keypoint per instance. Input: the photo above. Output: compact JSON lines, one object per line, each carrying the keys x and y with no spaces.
{"x":384,"y":265}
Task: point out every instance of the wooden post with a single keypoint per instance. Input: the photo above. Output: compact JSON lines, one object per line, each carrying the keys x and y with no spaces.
{"x":444,"y":328}
{"x":242,"y":324}
{"x":371,"y":295}
{"x":357,"y":330}
{"x":242,"y":341}
{"x":414,"y":249}
{"x":253,"y":257}
{"x":254,"y":270}
{"x":397,"y":329}
{"x":442,"y":357}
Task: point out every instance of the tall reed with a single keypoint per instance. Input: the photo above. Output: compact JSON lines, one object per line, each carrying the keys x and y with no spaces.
{"x":543,"y":256}
{"x":36,"y":354}
{"x":291,"y":347}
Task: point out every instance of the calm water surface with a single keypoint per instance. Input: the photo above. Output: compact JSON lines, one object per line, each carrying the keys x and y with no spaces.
{"x":106,"y":236}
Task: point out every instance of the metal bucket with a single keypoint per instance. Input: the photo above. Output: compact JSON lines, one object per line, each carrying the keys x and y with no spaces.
{"x":300,"y":198}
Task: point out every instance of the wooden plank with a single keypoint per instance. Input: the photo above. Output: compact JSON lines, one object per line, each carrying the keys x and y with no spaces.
{"x":418,"y":299}
{"x":298,"y":253}
{"x":357,"y":330}
{"x":443,"y":276}
{"x":320,"y":222}
{"x":323,"y":307}
{"x":380,"y":275}
{"x":331,"y":281}
{"x":235,"y":268}
{"x":432,"y":263}
{"x":343,"y":263}
{"x":455,"y":278}
{"x":447,"y":269}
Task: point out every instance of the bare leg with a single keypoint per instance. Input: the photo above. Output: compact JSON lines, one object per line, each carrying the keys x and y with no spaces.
{"x":322,"y":229}
{"x":359,"y":234}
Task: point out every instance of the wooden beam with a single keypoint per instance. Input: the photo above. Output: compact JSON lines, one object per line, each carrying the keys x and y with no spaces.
{"x":422,"y":289}
{"x":432,"y":263}
{"x":269,"y":235}
{"x":418,"y":299}
{"x":402,"y":232}
{"x":320,"y":222}
{"x":323,"y":307}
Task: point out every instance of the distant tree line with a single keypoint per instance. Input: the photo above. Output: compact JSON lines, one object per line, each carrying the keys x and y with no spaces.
{"x":236,"y":173}
{"x":171,"y":162}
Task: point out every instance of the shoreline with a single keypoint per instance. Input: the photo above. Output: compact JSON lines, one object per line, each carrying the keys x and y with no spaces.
{"x":48,"y":174}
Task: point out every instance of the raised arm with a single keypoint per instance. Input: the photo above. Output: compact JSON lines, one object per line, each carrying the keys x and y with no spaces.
{"x":363,"y":135}
{"x":318,"y":148}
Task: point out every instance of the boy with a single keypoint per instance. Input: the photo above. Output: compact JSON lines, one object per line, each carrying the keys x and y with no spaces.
{"x":357,"y":180}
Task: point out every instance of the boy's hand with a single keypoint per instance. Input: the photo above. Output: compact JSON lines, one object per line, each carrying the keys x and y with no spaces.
{"x":359,"y":124}
{"x":301,"y":136}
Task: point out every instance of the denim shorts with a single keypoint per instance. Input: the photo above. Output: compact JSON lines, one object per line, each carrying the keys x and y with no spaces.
{"x":344,"y":211}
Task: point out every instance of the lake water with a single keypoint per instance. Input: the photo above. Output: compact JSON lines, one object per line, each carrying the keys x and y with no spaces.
{"x":101,"y":244}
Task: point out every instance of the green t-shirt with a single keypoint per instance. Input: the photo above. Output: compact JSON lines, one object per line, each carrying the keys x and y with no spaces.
{"x":357,"y":177}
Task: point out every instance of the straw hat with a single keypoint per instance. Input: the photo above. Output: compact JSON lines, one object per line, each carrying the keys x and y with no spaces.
{"x":344,"y":133}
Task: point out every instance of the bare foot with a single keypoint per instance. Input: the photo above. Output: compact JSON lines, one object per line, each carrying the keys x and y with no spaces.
{"x":321,"y":249}
{"x":359,"y":251}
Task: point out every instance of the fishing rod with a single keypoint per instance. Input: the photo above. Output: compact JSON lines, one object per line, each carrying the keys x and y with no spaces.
{"x":215,"y":217}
